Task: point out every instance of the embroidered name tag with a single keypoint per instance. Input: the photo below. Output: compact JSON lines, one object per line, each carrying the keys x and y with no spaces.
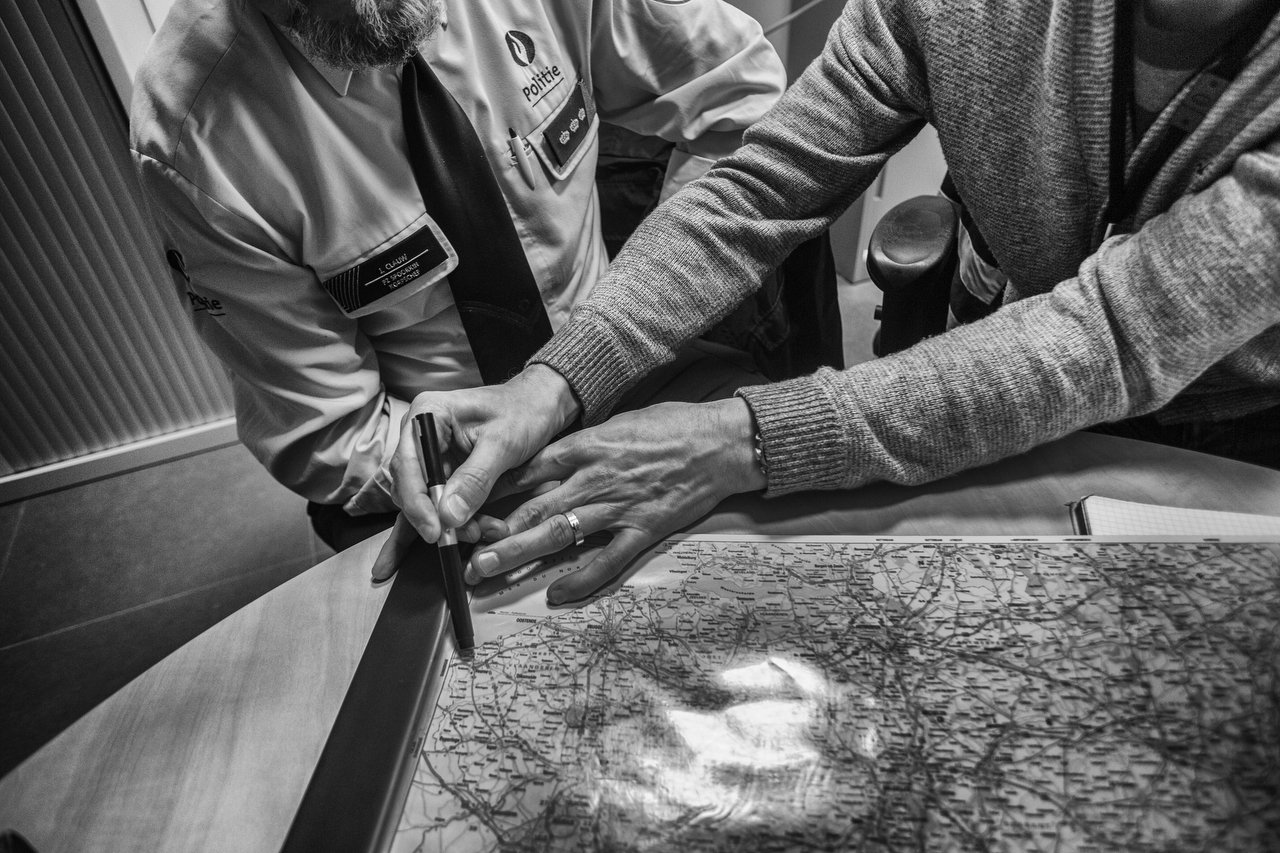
{"x":566,"y":132}
{"x":358,"y":287}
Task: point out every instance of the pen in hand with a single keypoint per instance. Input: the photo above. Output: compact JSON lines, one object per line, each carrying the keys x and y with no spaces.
{"x":455,"y":590}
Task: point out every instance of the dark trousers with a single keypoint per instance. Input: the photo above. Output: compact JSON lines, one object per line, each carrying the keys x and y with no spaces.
{"x":1253,"y":438}
{"x":340,"y":531}
{"x":702,"y":372}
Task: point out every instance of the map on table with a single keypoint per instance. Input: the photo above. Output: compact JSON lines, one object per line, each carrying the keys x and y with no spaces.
{"x":765,"y":694}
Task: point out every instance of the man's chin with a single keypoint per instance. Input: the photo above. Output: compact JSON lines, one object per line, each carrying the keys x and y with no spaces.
{"x":352,"y":45}
{"x":360,"y":61}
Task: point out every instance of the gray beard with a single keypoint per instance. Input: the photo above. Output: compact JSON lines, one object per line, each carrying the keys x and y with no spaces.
{"x":378,"y":33}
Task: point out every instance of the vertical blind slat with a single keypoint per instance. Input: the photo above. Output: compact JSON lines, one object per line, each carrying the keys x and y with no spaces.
{"x":75,"y":204}
{"x":47,"y":341}
{"x":97,"y":351}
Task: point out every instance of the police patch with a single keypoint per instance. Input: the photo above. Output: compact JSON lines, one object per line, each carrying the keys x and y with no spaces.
{"x":565,"y":133}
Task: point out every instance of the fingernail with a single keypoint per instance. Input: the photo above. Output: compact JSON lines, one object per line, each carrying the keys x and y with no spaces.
{"x":457,"y":507}
{"x":555,"y":597}
{"x":485,"y":562}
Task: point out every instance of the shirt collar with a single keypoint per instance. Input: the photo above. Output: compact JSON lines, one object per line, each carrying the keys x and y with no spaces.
{"x":338,"y":78}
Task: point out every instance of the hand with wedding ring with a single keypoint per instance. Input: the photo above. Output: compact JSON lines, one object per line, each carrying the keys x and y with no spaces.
{"x":640,"y":475}
{"x":485,"y":432}
{"x":575,"y":526}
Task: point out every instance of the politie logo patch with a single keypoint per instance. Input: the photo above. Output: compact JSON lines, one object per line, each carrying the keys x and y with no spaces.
{"x":521,"y":47}
{"x":178,"y":264}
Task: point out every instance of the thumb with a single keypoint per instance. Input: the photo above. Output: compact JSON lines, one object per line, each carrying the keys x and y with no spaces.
{"x":394,"y":549}
{"x":472,"y":481}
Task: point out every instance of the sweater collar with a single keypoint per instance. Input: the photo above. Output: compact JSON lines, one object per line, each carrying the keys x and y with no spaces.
{"x":1094,"y":32}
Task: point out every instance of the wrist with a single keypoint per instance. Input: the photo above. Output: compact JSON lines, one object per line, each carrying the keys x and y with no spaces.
{"x":744,"y":461}
{"x":551,"y":388}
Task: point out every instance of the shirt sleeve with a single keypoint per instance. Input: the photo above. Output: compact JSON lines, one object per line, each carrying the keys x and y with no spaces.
{"x":695,"y":73}
{"x":309,"y":401}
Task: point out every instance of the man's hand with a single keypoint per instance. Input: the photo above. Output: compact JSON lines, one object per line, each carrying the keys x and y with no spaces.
{"x":485,"y":432}
{"x":640,"y":475}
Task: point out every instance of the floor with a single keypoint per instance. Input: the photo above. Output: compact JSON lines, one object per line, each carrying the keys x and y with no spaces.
{"x":100,"y":581}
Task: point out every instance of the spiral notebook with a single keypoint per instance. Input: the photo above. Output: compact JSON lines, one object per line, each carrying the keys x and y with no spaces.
{"x":1095,"y":515}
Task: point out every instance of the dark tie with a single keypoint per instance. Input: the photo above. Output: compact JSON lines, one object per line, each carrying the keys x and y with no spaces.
{"x":493,"y":287}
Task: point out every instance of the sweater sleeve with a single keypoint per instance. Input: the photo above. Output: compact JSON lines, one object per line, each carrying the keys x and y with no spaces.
{"x":1146,"y":315}
{"x":709,"y":246}
{"x":1140,"y":319}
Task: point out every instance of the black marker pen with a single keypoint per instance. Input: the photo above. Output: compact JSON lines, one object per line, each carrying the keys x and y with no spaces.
{"x":455,"y":590}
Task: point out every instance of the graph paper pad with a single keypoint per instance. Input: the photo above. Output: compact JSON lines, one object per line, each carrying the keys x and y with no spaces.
{"x":1101,"y":516}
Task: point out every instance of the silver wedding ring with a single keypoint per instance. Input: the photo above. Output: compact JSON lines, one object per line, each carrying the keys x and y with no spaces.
{"x":575,"y":526}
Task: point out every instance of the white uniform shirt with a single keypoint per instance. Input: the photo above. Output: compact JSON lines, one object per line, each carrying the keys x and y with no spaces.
{"x":270,"y":176}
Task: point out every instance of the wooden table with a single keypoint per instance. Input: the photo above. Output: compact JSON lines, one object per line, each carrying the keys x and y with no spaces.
{"x":213,"y":747}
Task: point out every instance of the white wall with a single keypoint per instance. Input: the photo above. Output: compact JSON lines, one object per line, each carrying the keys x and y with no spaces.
{"x":767,"y":12}
{"x":121,"y":30}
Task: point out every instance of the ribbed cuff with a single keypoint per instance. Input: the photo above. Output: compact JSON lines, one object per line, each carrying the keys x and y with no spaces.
{"x":802,"y":435}
{"x":586,"y":356}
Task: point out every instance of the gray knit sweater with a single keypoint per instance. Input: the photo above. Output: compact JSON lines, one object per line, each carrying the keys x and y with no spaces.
{"x":1179,"y":316}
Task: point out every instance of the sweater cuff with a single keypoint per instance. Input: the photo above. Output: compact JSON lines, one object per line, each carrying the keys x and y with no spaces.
{"x":802,"y":435}
{"x":585,"y":355}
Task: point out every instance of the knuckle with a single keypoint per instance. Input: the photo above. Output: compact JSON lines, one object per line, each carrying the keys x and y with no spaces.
{"x":529,"y":516}
{"x":516,"y":480}
{"x":424,"y":401}
{"x":598,"y":479}
{"x":556,"y":453}
{"x":561,"y":531}
{"x":416,"y":511}
{"x":470,"y":484}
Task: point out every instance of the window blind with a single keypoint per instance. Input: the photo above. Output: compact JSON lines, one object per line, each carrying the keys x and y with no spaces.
{"x":96,"y":350}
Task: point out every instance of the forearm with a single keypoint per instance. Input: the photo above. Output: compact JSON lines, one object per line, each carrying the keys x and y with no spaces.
{"x":708,"y":247}
{"x":1134,"y":329}
{"x":323,"y":450}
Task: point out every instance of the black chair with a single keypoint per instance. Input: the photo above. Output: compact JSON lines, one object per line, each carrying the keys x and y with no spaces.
{"x":912,"y":258}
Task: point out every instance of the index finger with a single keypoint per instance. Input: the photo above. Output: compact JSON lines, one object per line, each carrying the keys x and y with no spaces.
{"x":411,"y":484}
{"x":473,"y":480}
{"x":541,"y":470}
